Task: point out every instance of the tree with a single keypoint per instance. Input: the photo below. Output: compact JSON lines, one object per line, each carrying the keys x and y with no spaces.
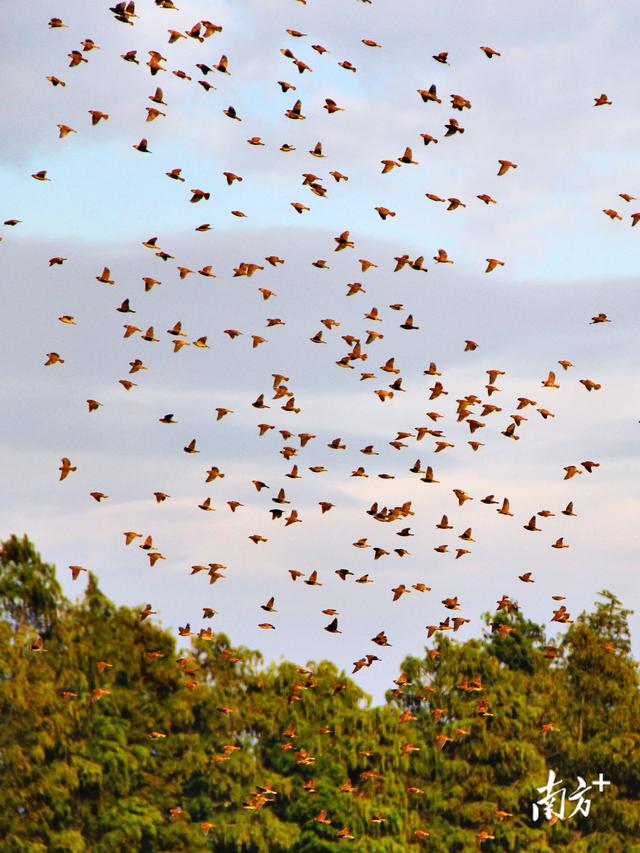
{"x":114,"y":738}
{"x":29,"y":592}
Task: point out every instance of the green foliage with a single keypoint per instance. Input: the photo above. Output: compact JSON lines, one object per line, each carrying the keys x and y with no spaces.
{"x":185,"y":749}
{"x":29,"y":592}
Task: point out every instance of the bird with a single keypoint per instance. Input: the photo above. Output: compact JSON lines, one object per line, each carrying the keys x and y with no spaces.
{"x":176,"y":175}
{"x":590,"y":385}
{"x":389,"y":165}
{"x":571,"y":471}
{"x":492,"y":263}
{"x":146,"y":612}
{"x":98,"y":693}
{"x":295,"y":112}
{"x":429,"y":94}
{"x":407,"y":157}
{"x":505,"y":165}
{"x":453,"y":127}
{"x":455,"y":203}
{"x":399,"y":591}
{"x":321,"y":817}
{"x":458,"y":102}
{"x":330,"y":105}
{"x":63,"y":131}
{"x":76,"y":58}
{"x":505,"y":508}
{"x":442,"y":257}
{"x":75,"y":571}
{"x":66,"y":468}
{"x":97,"y":116}
{"x":105,"y":276}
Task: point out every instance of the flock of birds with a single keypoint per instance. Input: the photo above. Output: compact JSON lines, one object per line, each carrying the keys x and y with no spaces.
{"x":477,"y":411}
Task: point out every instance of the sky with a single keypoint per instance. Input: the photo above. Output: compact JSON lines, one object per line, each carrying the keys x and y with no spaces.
{"x":565,"y":261}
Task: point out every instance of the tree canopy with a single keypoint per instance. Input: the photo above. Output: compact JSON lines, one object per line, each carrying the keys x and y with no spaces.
{"x":114,"y":738}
